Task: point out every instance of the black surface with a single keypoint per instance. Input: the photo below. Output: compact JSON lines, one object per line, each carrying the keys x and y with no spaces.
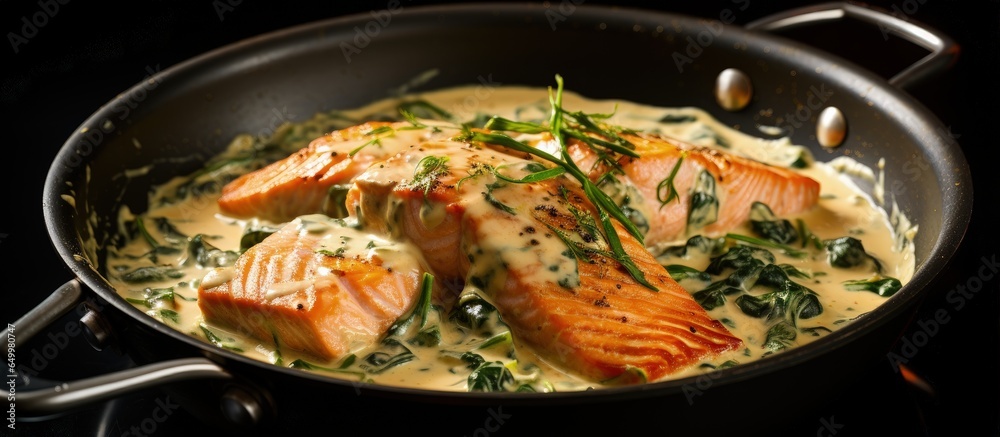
{"x":85,"y":54}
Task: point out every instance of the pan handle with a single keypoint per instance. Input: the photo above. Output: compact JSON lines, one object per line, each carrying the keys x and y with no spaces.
{"x":943,"y":50}
{"x":51,"y":309}
{"x":39,"y":404}
{"x":72,"y":396}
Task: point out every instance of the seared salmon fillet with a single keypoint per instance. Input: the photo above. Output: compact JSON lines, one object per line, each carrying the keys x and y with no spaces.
{"x":609,"y":323}
{"x":576,"y":304}
{"x":537,"y":249}
{"x":312,"y":290}
{"x":738,"y":181}
{"x":300,"y":183}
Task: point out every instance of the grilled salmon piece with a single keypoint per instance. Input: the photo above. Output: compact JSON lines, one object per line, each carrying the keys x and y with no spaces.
{"x":300,"y":183}
{"x":428,"y":213}
{"x":607,"y":324}
{"x":739,"y":182}
{"x":314,"y":286}
{"x":512,"y":240}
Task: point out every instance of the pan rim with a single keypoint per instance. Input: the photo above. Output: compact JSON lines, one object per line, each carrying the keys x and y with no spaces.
{"x":63,"y":236}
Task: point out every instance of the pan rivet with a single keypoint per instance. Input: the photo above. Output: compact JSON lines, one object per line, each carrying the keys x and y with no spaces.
{"x":733,"y":89}
{"x":831,"y":128}
{"x":241,"y":408}
{"x":96,"y":330}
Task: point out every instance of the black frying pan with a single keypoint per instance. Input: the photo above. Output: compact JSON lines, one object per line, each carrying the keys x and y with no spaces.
{"x":193,"y":109}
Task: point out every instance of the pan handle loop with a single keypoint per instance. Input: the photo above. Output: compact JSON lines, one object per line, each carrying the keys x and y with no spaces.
{"x":39,"y":404}
{"x":71,"y":396}
{"x":943,"y":50}
{"x":51,"y":309}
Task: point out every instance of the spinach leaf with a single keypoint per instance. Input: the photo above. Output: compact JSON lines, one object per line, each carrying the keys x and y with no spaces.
{"x":491,"y":376}
{"x":765,"y":224}
{"x":779,"y":336}
{"x":205,"y":254}
{"x":704,"y":203}
{"x":391,"y":354}
{"x":677,"y":118}
{"x":169,"y":231}
{"x":474,"y":313}
{"x":848,"y":252}
{"x":884,"y":286}
{"x":151,"y":274}
{"x":158,"y":297}
{"x":343,"y":369}
{"x":335,"y":202}
{"x":680,"y":272}
{"x":255,"y":233}
{"x":789,"y":300}
{"x":710,"y":246}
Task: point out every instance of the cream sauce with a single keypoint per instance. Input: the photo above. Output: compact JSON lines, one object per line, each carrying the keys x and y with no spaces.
{"x":843,"y":210}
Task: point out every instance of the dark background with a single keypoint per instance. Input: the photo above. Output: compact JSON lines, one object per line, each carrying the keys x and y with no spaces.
{"x":88,"y":52}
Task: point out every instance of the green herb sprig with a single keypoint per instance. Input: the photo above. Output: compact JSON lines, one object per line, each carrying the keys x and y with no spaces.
{"x":563,"y":124}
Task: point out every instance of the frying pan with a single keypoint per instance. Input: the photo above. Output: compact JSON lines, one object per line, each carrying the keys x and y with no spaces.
{"x":187,"y":113}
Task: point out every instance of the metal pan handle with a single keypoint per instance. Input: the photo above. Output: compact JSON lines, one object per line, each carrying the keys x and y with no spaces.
{"x":66,"y":397}
{"x":943,"y":50}
{"x":51,"y":309}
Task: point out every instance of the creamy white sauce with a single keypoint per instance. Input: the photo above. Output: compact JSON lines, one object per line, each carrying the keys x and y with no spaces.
{"x":843,"y":210}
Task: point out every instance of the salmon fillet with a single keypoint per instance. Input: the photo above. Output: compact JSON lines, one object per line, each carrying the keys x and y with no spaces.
{"x":739,"y":183}
{"x":295,"y":287}
{"x":528,"y":246}
{"x":588,"y":315}
{"x":300,"y":183}
{"x":608,"y":323}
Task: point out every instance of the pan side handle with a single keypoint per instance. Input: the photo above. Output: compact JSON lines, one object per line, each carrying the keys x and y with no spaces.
{"x":49,"y":310}
{"x":943,"y":50}
{"x":65,"y":397}
{"x":72,"y":396}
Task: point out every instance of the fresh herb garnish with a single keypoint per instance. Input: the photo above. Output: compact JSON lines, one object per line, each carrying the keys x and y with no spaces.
{"x":379,"y":133}
{"x":560,"y":128}
{"x":427,"y":172}
{"x":665,"y":191}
